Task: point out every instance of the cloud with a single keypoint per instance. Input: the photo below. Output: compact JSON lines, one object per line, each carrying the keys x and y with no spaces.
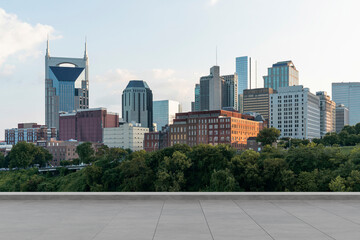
{"x":115,"y":78}
{"x":162,"y":73}
{"x":20,"y":38}
{"x":213,"y":2}
{"x":7,"y":69}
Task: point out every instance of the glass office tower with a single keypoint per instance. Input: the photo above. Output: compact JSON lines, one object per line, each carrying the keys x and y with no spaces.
{"x":281,"y":74}
{"x":348,"y":93}
{"x":246,"y":69}
{"x":165,"y":111}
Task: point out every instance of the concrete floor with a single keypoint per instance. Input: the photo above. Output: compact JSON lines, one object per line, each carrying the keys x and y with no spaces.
{"x":179,"y":219}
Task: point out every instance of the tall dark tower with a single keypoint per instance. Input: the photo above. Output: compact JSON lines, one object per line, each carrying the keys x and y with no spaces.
{"x":137,"y":104}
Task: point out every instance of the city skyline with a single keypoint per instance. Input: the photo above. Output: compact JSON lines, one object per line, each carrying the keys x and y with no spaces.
{"x":114,"y":61}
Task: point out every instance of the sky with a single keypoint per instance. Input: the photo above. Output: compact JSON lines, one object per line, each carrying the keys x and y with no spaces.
{"x":169,"y":44}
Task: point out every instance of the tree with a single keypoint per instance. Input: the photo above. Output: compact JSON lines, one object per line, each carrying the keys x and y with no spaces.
{"x":170,"y":176}
{"x":268,"y":135}
{"x":21,"y":155}
{"x":85,"y":152}
{"x":337,"y":184}
{"x":223,"y":181}
{"x":3,"y":161}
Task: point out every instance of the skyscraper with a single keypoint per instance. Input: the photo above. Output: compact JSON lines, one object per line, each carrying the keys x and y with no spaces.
{"x":137,"y":104}
{"x":246,"y":69}
{"x":342,"y":117}
{"x":197,"y":98}
{"x":281,"y":74}
{"x":348,"y":93}
{"x":327,"y":113}
{"x":66,"y":86}
{"x":217,"y":92}
{"x":164,"y":112}
{"x":295,"y":111}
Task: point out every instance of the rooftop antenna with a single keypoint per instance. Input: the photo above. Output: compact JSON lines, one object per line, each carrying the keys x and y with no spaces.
{"x":85,"y":52}
{"x":47,"y":46}
{"x":216,"y":55}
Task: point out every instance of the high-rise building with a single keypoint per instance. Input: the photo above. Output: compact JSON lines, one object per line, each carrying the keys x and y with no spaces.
{"x":246,"y":69}
{"x":211,"y":90}
{"x":348,"y":93}
{"x":257,"y":100}
{"x":164,"y":112}
{"x":295,"y":111}
{"x":137,"y":104}
{"x":327,"y":113}
{"x":213,"y":127}
{"x":86,"y":125}
{"x":342,"y":117}
{"x":229,"y":93}
{"x":217,"y":92}
{"x":66,"y":86}
{"x":197,"y":98}
{"x":29,"y":132}
{"x":281,"y":74}
{"x":125,"y":136}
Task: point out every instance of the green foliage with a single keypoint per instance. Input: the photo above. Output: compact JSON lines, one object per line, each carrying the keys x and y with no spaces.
{"x":223,"y":181}
{"x":268,"y":135}
{"x":170,"y":176}
{"x":302,"y":167}
{"x":85,"y":152}
{"x":338,"y":184}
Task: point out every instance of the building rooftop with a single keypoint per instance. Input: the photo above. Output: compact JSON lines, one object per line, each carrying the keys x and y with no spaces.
{"x":187,"y":218}
{"x":137,"y":84}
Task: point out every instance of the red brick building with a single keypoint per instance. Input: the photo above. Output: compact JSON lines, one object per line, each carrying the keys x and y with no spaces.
{"x":85,"y":125}
{"x":213,"y":127}
{"x":156,"y":140}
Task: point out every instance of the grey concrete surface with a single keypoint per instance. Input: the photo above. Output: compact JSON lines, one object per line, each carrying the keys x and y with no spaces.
{"x":180,"y":219}
{"x":180,"y":196}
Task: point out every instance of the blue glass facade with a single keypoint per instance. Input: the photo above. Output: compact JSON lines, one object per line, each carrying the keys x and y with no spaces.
{"x":246,"y":69}
{"x":281,"y":74}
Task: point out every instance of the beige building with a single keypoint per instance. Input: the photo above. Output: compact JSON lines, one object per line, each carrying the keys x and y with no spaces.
{"x":327,"y":113}
{"x":61,"y":150}
{"x":257,"y":100}
{"x":128,"y":135}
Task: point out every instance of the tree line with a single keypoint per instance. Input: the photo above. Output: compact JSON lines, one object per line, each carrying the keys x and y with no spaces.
{"x":305,"y":167}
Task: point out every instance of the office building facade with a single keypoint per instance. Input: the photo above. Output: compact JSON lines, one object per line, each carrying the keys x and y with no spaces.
{"x":342,"y":117}
{"x":164,"y":112}
{"x":295,"y":111}
{"x":213,"y":127}
{"x":327,"y":113}
{"x":85,"y":125}
{"x":257,"y":100}
{"x":137,"y":104}
{"x":29,"y":132}
{"x":126,"y":136}
{"x":196,"y":106}
{"x":281,"y":74}
{"x":66,"y":86}
{"x":348,"y":93}
{"x":217,"y":92}
{"x":246,"y":69}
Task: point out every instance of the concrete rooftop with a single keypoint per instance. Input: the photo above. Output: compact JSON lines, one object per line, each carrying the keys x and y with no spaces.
{"x":179,"y":219}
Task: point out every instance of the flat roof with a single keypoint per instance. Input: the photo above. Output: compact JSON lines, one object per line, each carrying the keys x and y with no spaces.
{"x":180,"y":219}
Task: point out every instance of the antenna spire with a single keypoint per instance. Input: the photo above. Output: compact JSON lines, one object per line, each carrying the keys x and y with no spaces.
{"x":47,"y":47}
{"x":85,"y":52}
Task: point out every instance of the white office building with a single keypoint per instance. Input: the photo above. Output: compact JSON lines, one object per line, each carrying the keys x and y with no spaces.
{"x":295,"y":111}
{"x":348,"y":93}
{"x":164,"y":112}
{"x":128,"y":135}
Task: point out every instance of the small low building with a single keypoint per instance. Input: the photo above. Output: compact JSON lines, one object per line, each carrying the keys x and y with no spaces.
{"x":126,"y":136}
